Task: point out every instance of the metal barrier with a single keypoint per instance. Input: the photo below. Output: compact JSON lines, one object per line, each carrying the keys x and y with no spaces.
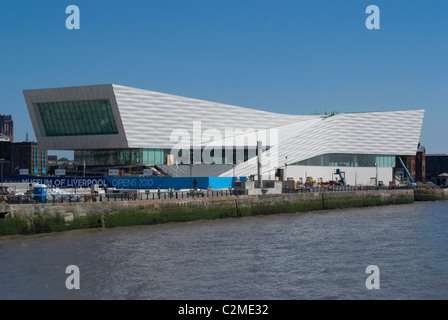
{"x":133,"y":195}
{"x":128,"y":195}
{"x":347,"y":188}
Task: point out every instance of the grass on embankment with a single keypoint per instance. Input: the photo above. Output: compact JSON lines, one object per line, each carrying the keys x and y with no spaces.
{"x":429,"y":197}
{"x":46,"y":223}
{"x":165,"y":214}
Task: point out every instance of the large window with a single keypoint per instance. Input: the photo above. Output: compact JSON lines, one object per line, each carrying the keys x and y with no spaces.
{"x":220,"y":156}
{"x":108,"y":157}
{"x":121,"y":157}
{"x":350,"y":160}
{"x":155,"y":156}
{"x":72,"y":118}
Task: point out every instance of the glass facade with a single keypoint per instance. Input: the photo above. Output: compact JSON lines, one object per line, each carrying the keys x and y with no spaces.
{"x":147,"y":156}
{"x":222,"y":156}
{"x":350,"y":160}
{"x":155,"y":156}
{"x":125,"y":157}
{"x":108,"y":157}
{"x":71,"y":118}
{"x":121,"y":157}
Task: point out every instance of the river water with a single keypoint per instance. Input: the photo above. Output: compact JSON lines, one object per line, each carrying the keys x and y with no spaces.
{"x":290,"y":256}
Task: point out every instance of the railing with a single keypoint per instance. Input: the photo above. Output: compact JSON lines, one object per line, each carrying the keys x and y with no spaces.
{"x":127,"y":195}
{"x":133,"y":195}
{"x":163,"y":195}
{"x":345,"y":188}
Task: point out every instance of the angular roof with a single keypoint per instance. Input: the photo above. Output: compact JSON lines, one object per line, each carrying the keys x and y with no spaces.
{"x":382,"y":133}
{"x":148,"y":119}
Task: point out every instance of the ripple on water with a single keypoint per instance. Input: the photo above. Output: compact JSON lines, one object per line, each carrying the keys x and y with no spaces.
{"x":290,"y":256}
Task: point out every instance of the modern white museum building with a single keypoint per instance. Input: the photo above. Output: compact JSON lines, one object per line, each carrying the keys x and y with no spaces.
{"x":113,"y":126}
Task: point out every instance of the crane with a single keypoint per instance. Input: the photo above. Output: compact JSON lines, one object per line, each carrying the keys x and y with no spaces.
{"x":407,"y":172}
{"x":338,"y":171}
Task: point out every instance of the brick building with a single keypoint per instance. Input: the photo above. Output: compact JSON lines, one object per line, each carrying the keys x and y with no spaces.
{"x":7,"y":126}
{"x":27,"y":155}
{"x":416,"y":166}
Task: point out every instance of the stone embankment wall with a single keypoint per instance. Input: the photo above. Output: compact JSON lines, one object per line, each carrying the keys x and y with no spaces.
{"x":430,"y":194}
{"x":39,"y":218}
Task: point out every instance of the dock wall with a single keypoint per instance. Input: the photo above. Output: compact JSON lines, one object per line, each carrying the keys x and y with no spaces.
{"x":40,"y":218}
{"x":430,"y":194}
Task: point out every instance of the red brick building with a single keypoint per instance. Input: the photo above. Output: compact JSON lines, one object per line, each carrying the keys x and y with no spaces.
{"x":7,"y":126}
{"x":416,"y":166}
{"x":28,"y":155}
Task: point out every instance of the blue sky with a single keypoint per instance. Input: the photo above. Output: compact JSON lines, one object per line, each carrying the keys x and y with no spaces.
{"x":295,"y":57}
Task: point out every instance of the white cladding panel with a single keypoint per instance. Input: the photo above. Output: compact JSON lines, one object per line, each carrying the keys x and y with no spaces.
{"x":386,"y":133}
{"x":149,"y":118}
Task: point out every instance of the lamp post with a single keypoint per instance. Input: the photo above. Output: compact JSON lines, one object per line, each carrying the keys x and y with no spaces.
{"x":286,"y":167}
{"x":376,"y":174}
{"x":1,"y":180}
{"x":191,"y":168}
{"x":1,"y":188}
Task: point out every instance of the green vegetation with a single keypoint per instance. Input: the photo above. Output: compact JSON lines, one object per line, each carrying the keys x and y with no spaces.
{"x":149,"y":215}
{"x":346,"y":203}
{"x":428,"y":197}
{"x":46,"y":223}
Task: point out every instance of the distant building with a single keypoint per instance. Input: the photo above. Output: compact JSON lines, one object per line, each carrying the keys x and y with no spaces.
{"x":416,"y":165}
{"x":7,"y":126}
{"x":27,"y":156}
{"x":5,"y":150}
{"x":55,"y":163}
{"x":420,"y":165}
{"x":52,"y":159}
{"x":436,"y":164}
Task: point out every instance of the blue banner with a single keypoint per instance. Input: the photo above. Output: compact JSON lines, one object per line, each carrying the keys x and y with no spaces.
{"x":59,"y":182}
{"x":142,"y":183}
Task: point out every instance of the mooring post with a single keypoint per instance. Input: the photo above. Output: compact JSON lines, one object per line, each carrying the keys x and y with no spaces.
{"x":260,"y":164}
